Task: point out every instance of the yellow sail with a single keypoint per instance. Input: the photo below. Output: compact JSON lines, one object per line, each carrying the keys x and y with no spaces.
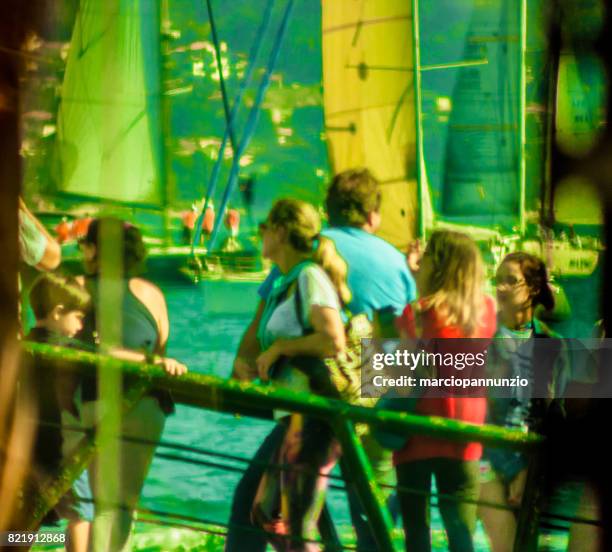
{"x":369,"y":102}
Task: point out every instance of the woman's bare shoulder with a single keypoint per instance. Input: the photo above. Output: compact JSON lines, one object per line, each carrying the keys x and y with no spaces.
{"x":145,"y":290}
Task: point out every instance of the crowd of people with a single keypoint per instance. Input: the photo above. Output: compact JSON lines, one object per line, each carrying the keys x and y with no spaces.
{"x":321,"y":279}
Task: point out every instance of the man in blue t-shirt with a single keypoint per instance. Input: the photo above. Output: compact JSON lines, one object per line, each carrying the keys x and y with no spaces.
{"x":379,"y":279}
{"x":378,"y":275}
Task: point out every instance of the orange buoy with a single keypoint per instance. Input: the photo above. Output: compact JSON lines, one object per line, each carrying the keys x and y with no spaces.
{"x":232,"y":221}
{"x":208,"y":222}
{"x":80,"y":227}
{"x":62,"y":231}
{"x":189,"y":219}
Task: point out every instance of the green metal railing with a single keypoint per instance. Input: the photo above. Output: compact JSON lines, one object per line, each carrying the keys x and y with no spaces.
{"x":214,"y":393}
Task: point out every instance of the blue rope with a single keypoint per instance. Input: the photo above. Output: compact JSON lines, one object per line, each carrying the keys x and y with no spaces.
{"x":214,"y":176}
{"x":251,"y":122}
{"x":226,"y":109}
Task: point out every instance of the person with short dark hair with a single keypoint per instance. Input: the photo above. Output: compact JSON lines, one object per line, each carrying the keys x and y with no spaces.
{"x":352,"y":198}
{"x":52,"y":294}
{"x":59,"y":305}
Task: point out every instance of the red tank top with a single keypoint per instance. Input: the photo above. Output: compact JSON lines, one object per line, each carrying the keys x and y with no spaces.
{"x":465,"y":409}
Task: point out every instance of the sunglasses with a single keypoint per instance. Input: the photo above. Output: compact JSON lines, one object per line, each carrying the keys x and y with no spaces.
{"x":509,"y":281}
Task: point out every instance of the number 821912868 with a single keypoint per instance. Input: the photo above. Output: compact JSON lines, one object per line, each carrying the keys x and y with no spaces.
{"x":29,"y":538}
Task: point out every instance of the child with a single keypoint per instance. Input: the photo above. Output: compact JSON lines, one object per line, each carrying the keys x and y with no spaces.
{"x":59,"y":305}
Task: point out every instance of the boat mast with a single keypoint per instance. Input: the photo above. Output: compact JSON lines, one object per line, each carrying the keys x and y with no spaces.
{"x":162,"y":14}
{"x":416,"y":58}
{"x":522,"y":115}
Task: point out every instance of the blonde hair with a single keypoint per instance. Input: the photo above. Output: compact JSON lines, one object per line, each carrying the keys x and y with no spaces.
{"x":302,"y":224}
{"x":455,"y":286}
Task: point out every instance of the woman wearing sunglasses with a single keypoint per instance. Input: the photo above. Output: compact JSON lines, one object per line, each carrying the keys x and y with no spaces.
{"x":300,"y":326}
{"x":527,"y":348}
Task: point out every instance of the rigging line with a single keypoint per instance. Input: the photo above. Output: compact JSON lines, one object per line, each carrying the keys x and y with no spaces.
{"x":180,"y":525}
{"x":235,"y":469}
{"x":358,"y":27}
{"x":226,"y":109}
{"x":573,"y":519}
{"x":84,"y":48}
{"x":186,"y":448}
{"x":454,"y":65}
{"x":119,"y":138}
{"x":252,"y":121}
{"x":433,"y":67}
{"x":363,"y":66}
{"x":407,"y":490}
{"x":398,"y":108}
{"x":195,"y":450}
{"x":214,"y":176}
{"x":136,"y":101}
{"x":362,"y":22}
{"x":360,"y":109}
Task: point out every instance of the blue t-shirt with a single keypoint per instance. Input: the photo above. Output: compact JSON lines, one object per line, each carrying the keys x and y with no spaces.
{"x":378,"y":275}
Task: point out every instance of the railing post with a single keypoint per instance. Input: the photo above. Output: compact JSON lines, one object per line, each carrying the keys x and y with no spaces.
{"x":527,"y":528}
{"x":54,"y":489}
{"x":356,"y":463}
{"x":328,"y":532}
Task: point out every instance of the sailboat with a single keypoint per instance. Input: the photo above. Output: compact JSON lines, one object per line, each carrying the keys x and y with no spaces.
{"x":495,"y":185}
{"x":372,"y":97}
{"x":370,"y":102}
{"x":110,"y":152}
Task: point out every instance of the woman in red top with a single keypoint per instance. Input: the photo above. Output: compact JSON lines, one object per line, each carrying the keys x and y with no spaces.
{"x":452,"y":305}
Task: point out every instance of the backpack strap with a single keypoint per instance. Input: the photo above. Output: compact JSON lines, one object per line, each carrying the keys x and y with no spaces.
{"x":299,"y":307}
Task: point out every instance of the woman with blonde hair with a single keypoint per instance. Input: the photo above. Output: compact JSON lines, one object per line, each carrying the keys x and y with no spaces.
{"x":452,"y":305}
{"x":300,"y":326}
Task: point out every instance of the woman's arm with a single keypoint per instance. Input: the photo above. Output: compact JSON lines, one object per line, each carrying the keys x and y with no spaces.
{"x":163,"y":322}
{"x":153,"y":298}
{"x":244,"y":364}
{"x":170,"y":365}
{"x":52,"y":252}
{"x":327,"y":340}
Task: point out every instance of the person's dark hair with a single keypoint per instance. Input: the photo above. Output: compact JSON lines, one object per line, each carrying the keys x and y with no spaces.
{"x":536,"y":276}
{"x":50,"y":290}
{"x":134,"y":250}
{"x":351,"y":197}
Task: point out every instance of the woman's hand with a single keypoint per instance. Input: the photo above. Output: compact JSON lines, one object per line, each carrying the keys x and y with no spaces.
{"x":172,"y":366}
{"x":517,"y":486}
{"x":243,"y":370}
{"x":413,"y":257}
{"x":266,"y":359}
